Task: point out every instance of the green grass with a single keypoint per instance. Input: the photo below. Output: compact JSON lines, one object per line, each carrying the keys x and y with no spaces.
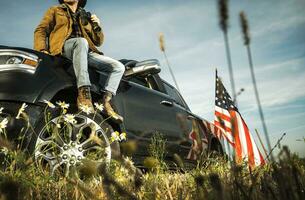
{"x":213,"y":178}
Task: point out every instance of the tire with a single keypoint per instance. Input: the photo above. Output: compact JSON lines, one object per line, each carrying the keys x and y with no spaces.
{"x":61,"y":146}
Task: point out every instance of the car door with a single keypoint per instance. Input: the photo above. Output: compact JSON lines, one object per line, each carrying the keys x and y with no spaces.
{"x":194,"y":139}
{"x":185,"y":120}
{"x":148,"y":111}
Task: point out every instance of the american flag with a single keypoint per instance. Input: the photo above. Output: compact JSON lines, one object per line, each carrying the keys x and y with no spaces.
{"x":199,"y":140}
{"x":234,"y":128}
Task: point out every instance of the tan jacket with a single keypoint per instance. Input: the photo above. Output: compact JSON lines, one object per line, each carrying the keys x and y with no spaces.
{"x":56,"y":27}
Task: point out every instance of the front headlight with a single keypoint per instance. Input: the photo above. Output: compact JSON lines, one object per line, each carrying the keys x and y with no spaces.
{"x":18,"y":60}
{"x":14,"y":60}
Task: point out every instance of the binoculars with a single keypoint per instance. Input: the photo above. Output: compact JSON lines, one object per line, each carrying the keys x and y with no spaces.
{"x":86,"y":18}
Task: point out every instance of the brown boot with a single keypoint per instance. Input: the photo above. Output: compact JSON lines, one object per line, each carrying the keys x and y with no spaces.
{"x":108,"y":108}
{"x":84,"y":100}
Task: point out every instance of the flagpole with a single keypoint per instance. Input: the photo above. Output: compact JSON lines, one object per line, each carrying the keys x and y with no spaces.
{"x":245,"y":30}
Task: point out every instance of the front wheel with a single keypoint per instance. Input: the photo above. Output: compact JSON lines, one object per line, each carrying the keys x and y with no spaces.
{"x":65,"y":141}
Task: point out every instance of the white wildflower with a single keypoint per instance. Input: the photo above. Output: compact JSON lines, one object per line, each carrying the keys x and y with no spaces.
{"x":115,"y":136}
{"x":70,"y":118}
{"x":86,"y":109}
{"x":128,"y":161}
{"x":1,"y":109}
{"x":63,"y":104}
{"x":4,"y":150}
{"x":123,"y":136}
{"x":3,"y":125}
{"x":21,"y":110}
{"x":51,"y":105}
{"x":100,"y":107}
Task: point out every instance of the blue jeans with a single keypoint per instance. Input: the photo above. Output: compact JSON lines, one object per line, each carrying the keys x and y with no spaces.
{"x":77,"y":50}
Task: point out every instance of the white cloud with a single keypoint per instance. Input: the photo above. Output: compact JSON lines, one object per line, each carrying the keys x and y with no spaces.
{"x":278,"y":25}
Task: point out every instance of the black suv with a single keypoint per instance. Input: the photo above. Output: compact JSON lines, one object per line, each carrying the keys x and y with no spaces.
{"x":148,"y":104}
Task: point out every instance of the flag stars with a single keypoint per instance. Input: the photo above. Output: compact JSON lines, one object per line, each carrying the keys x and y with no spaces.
{"x":223,"y":98}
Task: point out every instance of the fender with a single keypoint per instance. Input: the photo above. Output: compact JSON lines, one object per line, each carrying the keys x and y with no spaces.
{"x":49,"y":77}
{"x":52,"y":75}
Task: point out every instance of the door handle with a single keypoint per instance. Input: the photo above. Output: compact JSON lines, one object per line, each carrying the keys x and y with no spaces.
{"x":167,"y":103}
{"x":191,"y":117}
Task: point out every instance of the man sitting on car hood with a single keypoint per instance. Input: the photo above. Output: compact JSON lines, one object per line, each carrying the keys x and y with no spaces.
{"x":68,"y":30}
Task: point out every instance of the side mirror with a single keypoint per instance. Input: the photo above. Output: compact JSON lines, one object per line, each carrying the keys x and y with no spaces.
{"x":143,"y":68}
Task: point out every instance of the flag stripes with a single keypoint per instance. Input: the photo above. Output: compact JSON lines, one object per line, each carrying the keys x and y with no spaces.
{"x":234,"y":128}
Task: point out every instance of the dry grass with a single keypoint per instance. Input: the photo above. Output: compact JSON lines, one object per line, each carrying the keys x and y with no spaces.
{"x":213,"y":178}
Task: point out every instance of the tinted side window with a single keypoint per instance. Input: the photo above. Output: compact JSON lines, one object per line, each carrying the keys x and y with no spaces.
{"x":148,"y":82}
{"x":173,"y":93}
{"x":140,"y":81}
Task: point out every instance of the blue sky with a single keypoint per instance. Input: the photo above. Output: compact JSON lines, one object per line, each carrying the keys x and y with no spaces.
{"x":195,"y":48}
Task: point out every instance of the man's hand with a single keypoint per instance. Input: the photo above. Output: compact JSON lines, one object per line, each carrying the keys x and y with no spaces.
{"x":95,"y":19}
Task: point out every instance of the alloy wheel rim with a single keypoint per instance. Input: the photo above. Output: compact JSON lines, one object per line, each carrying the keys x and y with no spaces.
{"x":61,"y":147}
